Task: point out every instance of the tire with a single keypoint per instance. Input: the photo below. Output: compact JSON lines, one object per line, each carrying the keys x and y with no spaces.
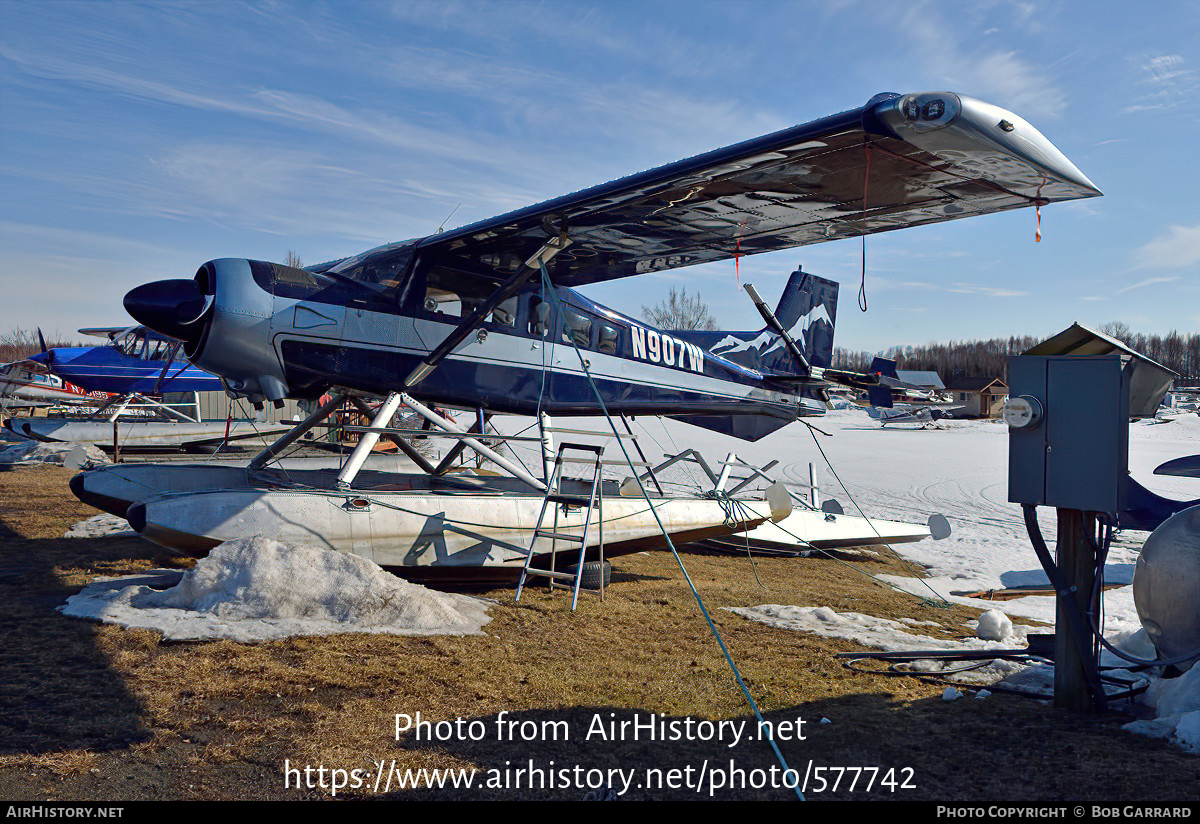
{"x":591,"y":574}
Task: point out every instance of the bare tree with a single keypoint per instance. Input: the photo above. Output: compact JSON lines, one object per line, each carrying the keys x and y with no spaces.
{"x":293,"y":260}
{"x":679,"y":311}
{"x":18,"y":344}
{"x":1117,"y":329}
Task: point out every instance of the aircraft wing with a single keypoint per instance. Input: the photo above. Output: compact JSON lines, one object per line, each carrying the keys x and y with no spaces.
{"x":896,"y":162}
{"x":113,"y":332}
{"x":105,"y":331}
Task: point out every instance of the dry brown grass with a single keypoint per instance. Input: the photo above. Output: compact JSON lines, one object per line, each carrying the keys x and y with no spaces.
{"x":97,"y":712}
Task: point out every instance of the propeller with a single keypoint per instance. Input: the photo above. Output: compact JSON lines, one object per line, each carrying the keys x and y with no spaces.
{"x":49,"y":353}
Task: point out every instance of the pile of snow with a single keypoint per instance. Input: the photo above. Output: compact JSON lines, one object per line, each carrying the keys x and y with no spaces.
{"x":71,"y":455}
{"x":103,"y":525}
{"x":994,"y":625}
{"x":893,"y":636}
{"x":258,"y":589}
{"x":1176,"y":702}
{"x":881,"y":633}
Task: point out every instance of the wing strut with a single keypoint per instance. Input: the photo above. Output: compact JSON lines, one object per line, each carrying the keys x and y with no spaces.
{"x":777,"y":328}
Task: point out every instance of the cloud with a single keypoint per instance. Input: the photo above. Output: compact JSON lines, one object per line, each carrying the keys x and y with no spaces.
{"x":990,"y":291}
{"x":1166,"y":81}
{"x":1001,"y":76}
{"x":1147,"y":282}
{"x":1179,"y":247}
{"x":956,"y":288}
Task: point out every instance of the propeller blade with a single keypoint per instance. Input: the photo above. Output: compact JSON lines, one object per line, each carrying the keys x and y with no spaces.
{"x":49,"y":353}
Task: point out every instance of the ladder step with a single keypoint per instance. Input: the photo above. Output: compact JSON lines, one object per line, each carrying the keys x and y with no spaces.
{"x":546,"y":573}
{"x":557,"y":536}
{"x":580,"y":447}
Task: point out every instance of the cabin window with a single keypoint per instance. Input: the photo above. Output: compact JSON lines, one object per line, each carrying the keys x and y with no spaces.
{"x":453,"y":294}
{"x":609,"y":335}
{"x":442,"y":302}
{"x":539,"y":318}
{"x":577,"y":328}
{"x":505,"y":312}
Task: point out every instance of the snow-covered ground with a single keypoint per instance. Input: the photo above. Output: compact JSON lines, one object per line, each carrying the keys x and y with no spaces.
{"x":24,"y":452}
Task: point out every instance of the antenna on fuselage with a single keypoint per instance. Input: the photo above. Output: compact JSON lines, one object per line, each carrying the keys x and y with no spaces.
{"x":441,"y":228}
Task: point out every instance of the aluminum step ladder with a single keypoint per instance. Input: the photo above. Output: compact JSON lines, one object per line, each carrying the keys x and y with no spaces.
{"x":592,"y":504}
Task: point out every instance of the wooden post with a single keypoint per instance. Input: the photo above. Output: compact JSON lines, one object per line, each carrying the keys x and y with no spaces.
{"x":1077,"y":564}
{"x":116,"y":444}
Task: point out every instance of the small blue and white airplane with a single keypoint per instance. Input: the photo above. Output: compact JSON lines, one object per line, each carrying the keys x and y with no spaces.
{"x":135,"y":359}
{"x":486,"y":316}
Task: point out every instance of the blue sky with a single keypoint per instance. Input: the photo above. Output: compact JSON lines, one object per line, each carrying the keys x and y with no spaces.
{"x":138,"y":140}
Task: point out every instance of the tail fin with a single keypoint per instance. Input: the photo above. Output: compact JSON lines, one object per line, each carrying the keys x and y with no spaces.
{"x":807,"y":309}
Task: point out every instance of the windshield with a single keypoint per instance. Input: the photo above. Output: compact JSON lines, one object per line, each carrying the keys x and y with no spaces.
{"x":384,"y":266}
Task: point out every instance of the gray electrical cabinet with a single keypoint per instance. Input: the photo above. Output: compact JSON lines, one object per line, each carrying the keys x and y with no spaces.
{"x":1074,"y":453}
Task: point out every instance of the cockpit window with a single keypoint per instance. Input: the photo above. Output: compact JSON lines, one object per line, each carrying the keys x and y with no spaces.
{"x":384,"y":266}
{"x":138,"y":344}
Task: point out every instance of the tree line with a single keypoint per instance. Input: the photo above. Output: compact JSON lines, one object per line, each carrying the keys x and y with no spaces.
{"x":989,"y":358}
{"x":19,"y":344}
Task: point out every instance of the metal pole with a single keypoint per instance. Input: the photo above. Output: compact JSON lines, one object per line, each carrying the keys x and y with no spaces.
{"x":489,"y":453}
{"x":295,"y":433}
{"x":124,"y":403}
{"x":719,"y":486}
{"x":401,"y":444}
{"x":367,"y":440}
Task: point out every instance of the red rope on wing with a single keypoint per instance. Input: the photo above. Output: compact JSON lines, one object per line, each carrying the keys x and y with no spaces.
{"x":737,"y":272}
{"x":1037,"y":208}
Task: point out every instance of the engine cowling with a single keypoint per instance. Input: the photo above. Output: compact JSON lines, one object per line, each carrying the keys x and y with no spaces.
{"x":223,"y":317}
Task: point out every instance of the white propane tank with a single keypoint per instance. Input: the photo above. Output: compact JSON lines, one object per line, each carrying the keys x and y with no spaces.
{"x":1166,"y":586}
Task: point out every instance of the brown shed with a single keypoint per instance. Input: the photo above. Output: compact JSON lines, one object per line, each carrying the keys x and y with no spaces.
{"x":980,"y":397}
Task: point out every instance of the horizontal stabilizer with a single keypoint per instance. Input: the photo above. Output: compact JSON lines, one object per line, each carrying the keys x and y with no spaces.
{"x":885,"y":367}
{"x":880,"y":396}
{"x":1186,"y":467}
